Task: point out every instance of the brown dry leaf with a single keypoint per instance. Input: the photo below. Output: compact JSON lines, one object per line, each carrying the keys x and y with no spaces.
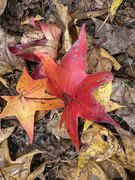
{"x":68,"y":170}
{"x":99,"y":143}
{"x":126,"y":157}
{"x":85,"y":5}
{"x":116,"y":41}
{"x":8,"y":61}
{"x":3,"y":81}
{"x":105,"y":170}
{"x":113,"y":170}
{"x":3,"y":4}
{"x":20,"y":168}
{"x":89,"y":14}
{"x":124,"y":95}
{"x":64,"y":17}
{"x":98,"y":59}
{"x":5,"y":133}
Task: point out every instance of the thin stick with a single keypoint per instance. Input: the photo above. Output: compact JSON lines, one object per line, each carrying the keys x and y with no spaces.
{"x":102,"y":24}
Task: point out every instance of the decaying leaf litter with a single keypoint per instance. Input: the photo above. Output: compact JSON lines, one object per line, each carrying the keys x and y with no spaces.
{"x":103,"y":145}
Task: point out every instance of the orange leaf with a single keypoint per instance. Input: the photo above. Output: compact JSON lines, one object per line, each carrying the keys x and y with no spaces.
{"x":31,"y":98}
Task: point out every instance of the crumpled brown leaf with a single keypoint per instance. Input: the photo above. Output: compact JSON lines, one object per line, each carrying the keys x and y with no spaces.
{"x":5,"y":133}
{"x":8,"y":61}
{"x":64,"y":18}
{"x":124,"y":95}
{"x":116,"y":41}
{"x":20,"y":168}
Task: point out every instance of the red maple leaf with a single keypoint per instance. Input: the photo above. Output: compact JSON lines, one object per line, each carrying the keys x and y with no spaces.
{"x":70,"y":83}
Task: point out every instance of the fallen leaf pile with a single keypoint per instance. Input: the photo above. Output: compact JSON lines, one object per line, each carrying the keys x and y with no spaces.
{"x":69,"y":91}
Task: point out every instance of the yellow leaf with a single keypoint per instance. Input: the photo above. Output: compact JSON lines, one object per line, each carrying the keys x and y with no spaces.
{"x":115,"y":5}
{"x":102,"y":95}
{"x":100,"y":144}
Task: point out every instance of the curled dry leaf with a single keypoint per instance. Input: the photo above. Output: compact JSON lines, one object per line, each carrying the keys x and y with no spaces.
{"x":126,"y":156}
{"x":5,"y":133}
{"x":20,"y":168}
{"x":124,"y":95}
{"x":98,"y":59}
{"x":3,"y":81}
{"x":8,"y":61}
{"x":99,"y":143}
